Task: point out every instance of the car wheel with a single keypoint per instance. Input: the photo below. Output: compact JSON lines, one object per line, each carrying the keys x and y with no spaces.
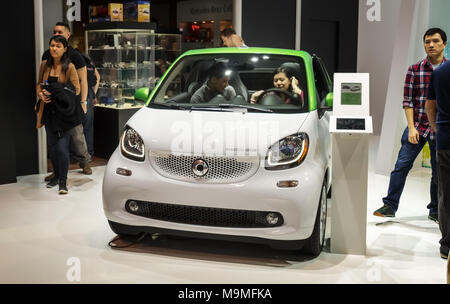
{"x":316,"y":241}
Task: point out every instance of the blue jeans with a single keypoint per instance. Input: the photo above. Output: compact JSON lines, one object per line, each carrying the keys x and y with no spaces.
{"x":405,"y":160}
{"x":443,"y":170}
{"x":88,"y":124}
{"x":59,"y":153}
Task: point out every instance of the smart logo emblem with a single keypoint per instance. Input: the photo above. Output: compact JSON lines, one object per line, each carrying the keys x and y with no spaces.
{"x":200,"y":168}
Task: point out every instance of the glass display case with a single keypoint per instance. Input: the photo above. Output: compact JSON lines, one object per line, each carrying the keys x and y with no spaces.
{"x":124,"y":59}
{"x":128,"y":59}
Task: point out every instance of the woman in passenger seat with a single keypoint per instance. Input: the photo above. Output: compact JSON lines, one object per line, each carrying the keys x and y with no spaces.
{"x":283,"y":79}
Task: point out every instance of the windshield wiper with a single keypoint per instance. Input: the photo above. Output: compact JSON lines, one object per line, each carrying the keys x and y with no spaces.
{"x":169,"y":106}
{"x":215,"y":108}
{"x":231,"y":106}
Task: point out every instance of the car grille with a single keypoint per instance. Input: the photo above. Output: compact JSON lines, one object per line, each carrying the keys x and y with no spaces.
{"x":222,"y":170}
{"x":203,"y":216}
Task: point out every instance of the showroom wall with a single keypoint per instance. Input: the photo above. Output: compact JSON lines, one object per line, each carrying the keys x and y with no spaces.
{"x":18,"y":137}
{"x":385,"y":49}
{"x":52,"y":12}
{"x":329,"y":29}
{"x":439,"y":15}
{"x":376,"y":40}
{"x":266,"y":23}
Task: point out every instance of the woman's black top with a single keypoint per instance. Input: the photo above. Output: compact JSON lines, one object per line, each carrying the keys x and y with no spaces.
{"x":52,"y":79}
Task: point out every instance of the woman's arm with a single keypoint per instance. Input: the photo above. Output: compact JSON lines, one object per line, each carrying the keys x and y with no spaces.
{"x":40,"y":93}
{"x":255,"y":96}
{"x":295,"y":87}
{"x":40,"y":79}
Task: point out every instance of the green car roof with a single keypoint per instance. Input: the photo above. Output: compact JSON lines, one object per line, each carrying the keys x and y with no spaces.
{"x":251,"y":50}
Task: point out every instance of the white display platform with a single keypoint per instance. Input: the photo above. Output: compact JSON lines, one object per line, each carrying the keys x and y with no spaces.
{"x":350,"y":126}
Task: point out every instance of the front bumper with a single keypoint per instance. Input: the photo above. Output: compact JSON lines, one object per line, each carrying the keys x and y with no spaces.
{"x":298,"y":206}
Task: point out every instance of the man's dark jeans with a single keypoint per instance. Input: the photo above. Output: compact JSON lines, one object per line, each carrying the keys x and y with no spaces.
{"x":88,"y":124}
{"x":77,"y":154}
{"x":405,"y":160}
{"x":443,"y":170}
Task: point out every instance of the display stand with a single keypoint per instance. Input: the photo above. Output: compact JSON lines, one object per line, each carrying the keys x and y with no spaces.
{"x":350,"y":126}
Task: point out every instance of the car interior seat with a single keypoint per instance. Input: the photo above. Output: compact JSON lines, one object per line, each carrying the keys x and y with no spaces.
{"x":238,"y":85}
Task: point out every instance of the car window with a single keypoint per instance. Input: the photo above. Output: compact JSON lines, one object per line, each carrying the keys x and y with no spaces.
{"x":247,"y":74}
{"x":321,"y":79}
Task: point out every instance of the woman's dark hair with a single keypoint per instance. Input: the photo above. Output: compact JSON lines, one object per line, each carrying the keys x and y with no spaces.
{"x":288,"y":72}
{"x":436,"y":30}
{"x":65,"y":57}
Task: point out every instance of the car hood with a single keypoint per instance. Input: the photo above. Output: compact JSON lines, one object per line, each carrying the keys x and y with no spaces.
{"x":215,"y":133}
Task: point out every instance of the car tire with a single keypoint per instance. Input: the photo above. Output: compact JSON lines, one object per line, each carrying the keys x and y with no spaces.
{"x":314,"y":244}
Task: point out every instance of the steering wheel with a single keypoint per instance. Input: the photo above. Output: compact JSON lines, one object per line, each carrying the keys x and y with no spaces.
{"x":279,"y":91}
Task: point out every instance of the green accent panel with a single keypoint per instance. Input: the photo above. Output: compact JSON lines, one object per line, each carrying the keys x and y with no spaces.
{"x":142,"y":94}
{"x":329,"y":99}
{"x":302,"y":54}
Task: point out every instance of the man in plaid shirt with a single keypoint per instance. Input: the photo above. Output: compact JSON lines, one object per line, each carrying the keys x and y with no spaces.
{"x":418,"y":132}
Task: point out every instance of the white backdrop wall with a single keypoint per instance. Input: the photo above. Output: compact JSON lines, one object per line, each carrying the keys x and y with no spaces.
{"x":440,"y":14}
{"x":52,"y":11}
{"x":385,"y":50}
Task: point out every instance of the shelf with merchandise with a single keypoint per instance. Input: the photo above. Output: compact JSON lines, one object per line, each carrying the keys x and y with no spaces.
{"x":128,"y":59}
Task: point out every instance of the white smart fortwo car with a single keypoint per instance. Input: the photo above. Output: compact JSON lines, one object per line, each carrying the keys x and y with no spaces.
{"x":227,"y":168}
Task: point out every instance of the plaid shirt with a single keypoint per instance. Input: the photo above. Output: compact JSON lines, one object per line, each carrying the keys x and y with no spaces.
{"x":415,"y":94}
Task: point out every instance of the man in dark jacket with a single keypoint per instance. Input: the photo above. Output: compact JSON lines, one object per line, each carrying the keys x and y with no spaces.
{"x":438,"y":102}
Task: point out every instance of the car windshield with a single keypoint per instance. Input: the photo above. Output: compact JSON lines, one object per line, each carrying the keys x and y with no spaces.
{"x":264,"y":83}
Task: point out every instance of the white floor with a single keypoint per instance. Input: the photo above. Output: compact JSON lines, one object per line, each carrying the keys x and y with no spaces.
{"x":46,"y":238}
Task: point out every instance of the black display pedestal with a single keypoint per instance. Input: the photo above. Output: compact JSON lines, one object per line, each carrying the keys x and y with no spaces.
{"x":108,"y":127}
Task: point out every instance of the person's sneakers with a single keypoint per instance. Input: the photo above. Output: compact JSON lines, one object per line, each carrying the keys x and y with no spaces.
{"x":434,"y":217}
{"x":49,"y":177}
{"x":52,"y":183}
{"x":63,"y":188}
{"x":385,"y":211}
{"x":86,"y":168}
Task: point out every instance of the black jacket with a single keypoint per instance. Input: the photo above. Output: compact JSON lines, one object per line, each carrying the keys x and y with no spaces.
{"x":64,"y":111}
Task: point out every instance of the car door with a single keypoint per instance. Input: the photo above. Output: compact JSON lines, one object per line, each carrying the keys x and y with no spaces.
{"x":323,"y":87}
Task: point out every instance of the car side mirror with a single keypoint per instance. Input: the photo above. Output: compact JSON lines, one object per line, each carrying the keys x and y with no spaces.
{"x":142,"y":94}
{"x":329,"y":100}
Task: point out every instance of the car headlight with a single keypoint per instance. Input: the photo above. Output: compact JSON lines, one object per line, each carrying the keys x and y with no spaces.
{"x":132,"y":145}
{"x":287,"y":153}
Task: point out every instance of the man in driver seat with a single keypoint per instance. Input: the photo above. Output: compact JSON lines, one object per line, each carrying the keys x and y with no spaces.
{"x":218,"y":78}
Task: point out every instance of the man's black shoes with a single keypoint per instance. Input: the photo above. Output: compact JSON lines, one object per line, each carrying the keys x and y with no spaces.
{"x":385,"y":211}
